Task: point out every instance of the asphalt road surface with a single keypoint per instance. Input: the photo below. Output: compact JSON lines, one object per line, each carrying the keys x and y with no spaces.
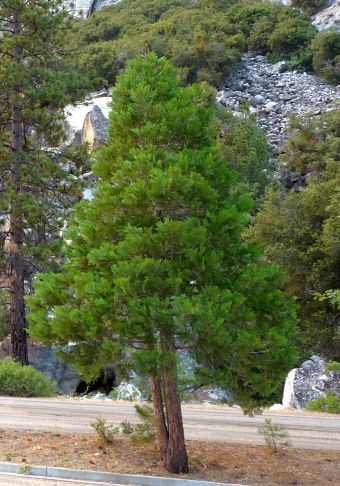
{"x":205,"y":423}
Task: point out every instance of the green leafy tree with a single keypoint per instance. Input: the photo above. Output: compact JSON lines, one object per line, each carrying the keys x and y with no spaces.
{"x":156,"y":262}
{"x":4,"y":314}
{"x":35,"y":188}
{"x":292,"y":35}
{"x":300,"y":230}
{"x":326,"y":55}
{"x":275,"y":30}
{"x":312,"y":142}
{"x":244,"y":145}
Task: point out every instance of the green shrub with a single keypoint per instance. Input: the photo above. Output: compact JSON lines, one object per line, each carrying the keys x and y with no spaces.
{"x":290,"y":37}
{"x":309,"y":6}
{"x":194,"y":36}
{"x":145,"y":431}
{"x":274,"y":435}
{"x":23,"y":381}
{"x":106,"y":433}
{"x":204,"y":38}
{"x":326,"y":55}
{"x":332,"y":366}
{"x":275,"y":30}
{"x":330,"y":403}
{"x":141,"y":433}
{"x":245,"y":147}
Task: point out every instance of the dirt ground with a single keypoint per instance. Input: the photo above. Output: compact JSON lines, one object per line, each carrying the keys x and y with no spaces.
{"x":241,"y":464}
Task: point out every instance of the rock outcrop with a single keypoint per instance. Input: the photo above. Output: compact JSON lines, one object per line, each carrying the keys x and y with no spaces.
{"x":43,"y":359}
{"x":329,"y":17}
{"x":87,"y":121}
{"x":309,"y":382}
{"x":95,"y":128}
{"x":84,"y":8}
{"x":273,"y":94}
{"x":68,"y":381}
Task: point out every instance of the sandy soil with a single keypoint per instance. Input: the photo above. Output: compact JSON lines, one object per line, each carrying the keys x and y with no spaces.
{"x":242,"y":464}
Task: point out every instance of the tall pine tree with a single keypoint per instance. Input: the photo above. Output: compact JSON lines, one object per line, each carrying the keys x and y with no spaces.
{"x":35,"y":188}
{"x":157,"y":264}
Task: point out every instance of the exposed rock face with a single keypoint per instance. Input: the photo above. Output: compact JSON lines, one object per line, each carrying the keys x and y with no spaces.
{"x":88,"y":121}
{"x":85,"y":8}
{"x":98,"y":4}
{"x":95,"y":128}
{"x":273,"y":94}
{"x":328,"y":18}
{"x":309,"y":382}
{"x":43,"y":359}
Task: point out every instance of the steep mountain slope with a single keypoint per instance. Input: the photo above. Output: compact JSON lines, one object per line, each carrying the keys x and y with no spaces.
{"x":327,"y":18}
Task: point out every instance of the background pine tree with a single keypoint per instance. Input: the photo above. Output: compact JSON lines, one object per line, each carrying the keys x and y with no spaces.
{"x":35,"y":186}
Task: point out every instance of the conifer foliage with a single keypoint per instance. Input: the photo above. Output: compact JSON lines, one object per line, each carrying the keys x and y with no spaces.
{"x":34,"y":188}
{"x":156,"y":262}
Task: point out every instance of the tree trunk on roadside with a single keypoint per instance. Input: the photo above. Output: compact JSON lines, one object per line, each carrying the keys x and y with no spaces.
{"x":176,"y":458}
{"x":15,"y":233}
{"x":161,"y":426}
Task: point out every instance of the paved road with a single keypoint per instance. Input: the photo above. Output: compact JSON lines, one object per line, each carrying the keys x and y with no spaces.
{"x":201,"y":423}
{"x":20,"y":480}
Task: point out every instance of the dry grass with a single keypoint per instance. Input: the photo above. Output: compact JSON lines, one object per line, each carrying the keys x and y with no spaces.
{"x":243,"y":464}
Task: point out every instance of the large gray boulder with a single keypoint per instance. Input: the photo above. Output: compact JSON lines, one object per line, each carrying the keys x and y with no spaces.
{"x":309,"y":382}
{"x":43,"y":358}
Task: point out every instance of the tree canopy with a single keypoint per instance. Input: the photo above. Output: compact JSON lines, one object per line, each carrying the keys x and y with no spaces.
{"x":300,"y":229}
{"x":35,"y":186}
{"x":205,"y":39}
{"x":156,"y":262}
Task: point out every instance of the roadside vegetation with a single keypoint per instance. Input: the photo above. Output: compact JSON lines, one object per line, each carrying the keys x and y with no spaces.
{"x":209,"y":461}
{"x":329,"y":403}
{"x":23,"y":381}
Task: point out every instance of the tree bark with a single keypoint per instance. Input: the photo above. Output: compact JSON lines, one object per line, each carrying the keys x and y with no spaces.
{"x":161,"y":427}
{"x":176,"y":458}
{"x":15,"y":238}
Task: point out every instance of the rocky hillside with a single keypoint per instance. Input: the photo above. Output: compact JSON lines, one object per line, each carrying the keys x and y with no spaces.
{"x":327,"y":18}
{"x":270,"y":92}
{"x":273,"y":94}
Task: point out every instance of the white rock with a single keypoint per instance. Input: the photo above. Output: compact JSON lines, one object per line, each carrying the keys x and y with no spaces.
{"x":288,"y":392}
{"x":277,"y":407}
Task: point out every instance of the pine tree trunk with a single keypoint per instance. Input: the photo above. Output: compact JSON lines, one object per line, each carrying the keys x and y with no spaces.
{"x":176,"y":459}
{"x":15,"y":238}
{"x":161,"y":427}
